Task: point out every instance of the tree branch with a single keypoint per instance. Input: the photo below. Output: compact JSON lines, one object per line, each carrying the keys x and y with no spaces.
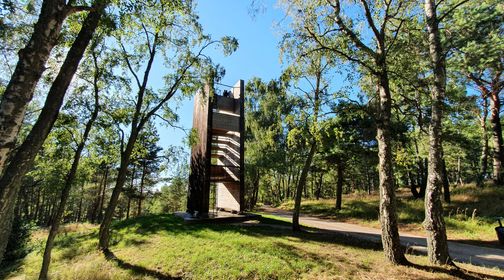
{"x":70,"y":9}
{"x":440,"y":19}
{"x":125,"y":55}
{"x":345,"y":55}
{"x":171,"y":123}
{"x":347,"y":31}
{"x":369,"y":18}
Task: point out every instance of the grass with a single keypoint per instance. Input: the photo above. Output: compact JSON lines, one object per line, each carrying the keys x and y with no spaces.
{"x":164,"y":247}
{"x":488,"y":203}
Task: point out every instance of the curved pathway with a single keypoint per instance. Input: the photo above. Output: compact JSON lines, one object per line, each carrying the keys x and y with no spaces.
{"x":482,"y":256}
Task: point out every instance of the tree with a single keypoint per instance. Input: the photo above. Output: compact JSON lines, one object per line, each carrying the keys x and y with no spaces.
{"x":267,"y":105}
{"x":327,"y":24}
{"x":346,"y":139}
{"x":478,"y":52}
{"x":29,"y":69}
{"x":72,"y":173}
{"x":23,"y":159}
{"x":312,"y":68}
{"x":437,"y":244}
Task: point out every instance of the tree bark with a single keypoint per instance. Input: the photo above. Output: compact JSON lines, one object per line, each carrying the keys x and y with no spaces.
{"x":55,"y":223}
{"x":437,"y":244}
{"x":102,"y":195}
{"x":484,"y":146}
{"x":446,"y":183}
{"x":81,"y":200}
{"x":128,"y":207}
{"x":131,"y":191}
{"x":142,"y":182}
{"x":339,"y":184}
{"x":498,"y":176}
{"x":299,"y":188}
{"x":29,"y":69}
{"x":423,"y":166}
{"x":23,"y":159}
{"x":388,"y":215}
{"x":459,"y":180}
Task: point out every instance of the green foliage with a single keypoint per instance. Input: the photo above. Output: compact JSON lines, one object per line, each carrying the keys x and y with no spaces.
{"x":18,"y":246}
{"x":171,"y":198}
{"x":476,"y":30}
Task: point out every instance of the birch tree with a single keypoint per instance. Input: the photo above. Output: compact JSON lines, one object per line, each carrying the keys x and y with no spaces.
{"x":331,"y":26}
{"x":29,"y":69}
{"x":23,"y":159}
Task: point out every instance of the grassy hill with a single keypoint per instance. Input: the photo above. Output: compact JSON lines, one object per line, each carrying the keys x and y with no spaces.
{"x":164,"y":247}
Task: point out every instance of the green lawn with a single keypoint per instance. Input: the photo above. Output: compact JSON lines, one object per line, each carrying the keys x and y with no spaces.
{"x":363,"y":209}
{"x":164,"y":247}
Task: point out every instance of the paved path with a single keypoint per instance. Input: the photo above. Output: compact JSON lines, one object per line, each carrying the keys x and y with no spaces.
{"x":476,"y":255}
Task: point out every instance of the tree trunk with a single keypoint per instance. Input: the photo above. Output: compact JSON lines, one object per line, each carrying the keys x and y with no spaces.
{"x":289,"y":177}
{"x":102,"y":195}
{"x":255,"y":192}
{"x":128,"y":207}
{"x":446,"y":183}
{"x":497,"y":138}
{"x":339,"y":184}
{"x":388,"y":216}
{"x":104,"y":234}
{"x":484,"y":148}
{"x":413,"y":186}
{"x":41,"y":210}
{"x":23,"y":159}
{"x":81,"y":200}
{"x":46,"y":260}
{"x":130,"y":192}
{"x":423,"y":163}
{"x":29,"y":69}
{"x":369,"y":183}
{"x":300,"y":185}
{"x":459,"y":172}
{"x":37,"y":205}
{"x":319,"y":186}
{"x":420,"y":177}
{"x":142,"y":182}
{"x":437,"y":245}
{"x":94,"y":210}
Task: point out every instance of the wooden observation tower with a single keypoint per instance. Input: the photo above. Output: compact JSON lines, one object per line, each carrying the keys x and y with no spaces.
{"x":217,"y":158}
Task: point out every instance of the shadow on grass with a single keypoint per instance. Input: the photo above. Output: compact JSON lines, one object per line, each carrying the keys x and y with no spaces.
{"x":266,"y":227}
{"x":137,"y":269}
{"x":494,"y":244}
{"x":454,"y":271}
{"x":72,"y":245}
{"x":366,"y":210}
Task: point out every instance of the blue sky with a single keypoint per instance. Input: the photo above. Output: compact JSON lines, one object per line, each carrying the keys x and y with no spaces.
{"x":257,"y":56}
